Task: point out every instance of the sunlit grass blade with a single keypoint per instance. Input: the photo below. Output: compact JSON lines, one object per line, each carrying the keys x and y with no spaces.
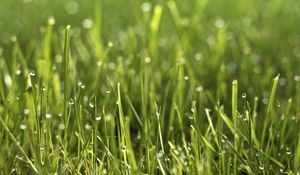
{"x":66,"y":80}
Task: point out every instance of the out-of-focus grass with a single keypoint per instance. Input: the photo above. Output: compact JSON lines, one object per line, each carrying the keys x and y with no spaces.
{"x":156,"y":87}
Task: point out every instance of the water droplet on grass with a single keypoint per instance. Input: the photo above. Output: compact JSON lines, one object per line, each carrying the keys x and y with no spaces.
{"x":98,"y":118}
{"x":87,"y":126}
{"x":278,"y":154}
{"x":72,"y":7}
{"x":13,"y":39}
{"x":198,"y":56}
{"x":61,"y":126}
{"x":91,"y":104}
{"x":23,"y":127}
{"x":193,"y":110}
{"x":199,"y":88}
{"x":261,"y":167}
{"x":51,"y":20}
{"x":146,"y":7}
{"x":26,"y":111}
{"x":282,"y":81}
{"x":159,"y":154}
{"x":43,"y":88}
{"x":87,"y":23}
{"x":31,"y":73}
{"x":99,"y":63}
{"x":147,"y":60}
{"x":71,"y":101}
{"x":111,"y":66}
{"x":210,"y":40}
{"x":110,"y":44}
{"x":186,"y":78}
{"x":48,"y":116}
{"x":244,"y":95}
{"x":182,"y":61}
{"x":219,"y":23}
{"x":7,"y":80}
{"x":123,"y":149}
{"x":278,"y":104}
{"x":265,"y":101}
{"x":58,"y":58}
{"x":18,"y":72}
{"x":138,"y":137}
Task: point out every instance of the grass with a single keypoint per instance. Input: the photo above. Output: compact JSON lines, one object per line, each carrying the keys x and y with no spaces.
{"x":164,"y":87}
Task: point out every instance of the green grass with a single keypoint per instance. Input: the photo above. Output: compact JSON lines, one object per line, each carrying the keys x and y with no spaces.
{"x":158,"y":87}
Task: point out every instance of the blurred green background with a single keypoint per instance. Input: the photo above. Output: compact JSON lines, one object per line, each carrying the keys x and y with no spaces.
{"x":277,"y":18}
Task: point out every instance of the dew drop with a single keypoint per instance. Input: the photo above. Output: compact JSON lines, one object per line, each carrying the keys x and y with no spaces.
{"x":61,"y":126}
{"x":261,"y":167}
{"x":23,"y":127}
{"x":26,"y":111}
{"x":99,"y":63}
{"x":87,"y":23}
{"x":199,"y":88}
{"x":87,"y":126}
{"x":193,"y":110}
{"x":265,"y":100}
{"x":91,"y":104}
{"x":198,"y":56}
{"x":43,"y":88}
{"x":219,"y":23}
{"x":244,"y":95}
{"x":159,"y":154}
{"x":51,"y":20}
{"x":18,"y":72}
{"x":111,"y":66}
{"x":146,"y":7}
{"x":182,"y":61}
{"x":110,"y":44}
{"x":147,"y":60}
{"x":72,"y":7}
{"x":85,"y":98}
{"x":138,"y":137}
{"x":7,"y":80}
{"x":71,"y":101}
{"x":31,"y":73}
{"x":296,"y":78}
{"x":48,"y":116}
{"x":123,"y":149}
{"x":278,"y":104}
{"x":98,"y":118}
